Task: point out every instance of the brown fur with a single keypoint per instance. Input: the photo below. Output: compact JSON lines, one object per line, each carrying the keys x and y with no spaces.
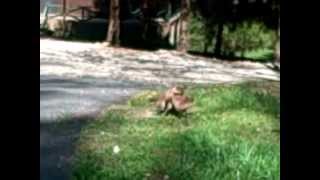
{"x":173,"y":99}
{"x":181,"y":103}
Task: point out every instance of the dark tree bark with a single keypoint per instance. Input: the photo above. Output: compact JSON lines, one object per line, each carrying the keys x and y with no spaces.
{"x":64,"y":11}
{"x":145,"y":18}
{"x":183,"y":44}
{"x":205,"y":49}
{"x":113,"y":36}
{"x":219,"y":38}
{"x":278,"y":44}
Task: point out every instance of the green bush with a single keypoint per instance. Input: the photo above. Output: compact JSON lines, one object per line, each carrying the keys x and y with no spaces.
{"x":197,"y":33}
{"x":250,"y":39}
{"x":247,"y":37}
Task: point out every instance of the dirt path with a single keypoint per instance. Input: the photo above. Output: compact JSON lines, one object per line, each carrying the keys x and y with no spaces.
{"x":162,"y":66}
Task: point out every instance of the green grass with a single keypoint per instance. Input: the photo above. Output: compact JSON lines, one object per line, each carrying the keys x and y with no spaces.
{"x":261,"y":55}
{"x":230,"y":135}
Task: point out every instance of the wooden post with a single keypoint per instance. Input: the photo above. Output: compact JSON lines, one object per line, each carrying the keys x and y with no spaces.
{"x":82,"y":13}
{"x":113,"y":36}
{"x":64,"y":9}
{"x":178,"y":32}
{"x":172,"y":34}
{"x":146,"y":16}
{"x":278,"y":44}
{"x":183,"y":39}
{"x":64,"y":4}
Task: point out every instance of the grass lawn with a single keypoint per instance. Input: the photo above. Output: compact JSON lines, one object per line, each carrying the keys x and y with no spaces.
{"x":261,"y":55}
{"x":232,"y":132}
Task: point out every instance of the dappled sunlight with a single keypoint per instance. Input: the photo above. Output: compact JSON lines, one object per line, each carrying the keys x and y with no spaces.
{"x":103,"y":65}
{"x":162,"y":66}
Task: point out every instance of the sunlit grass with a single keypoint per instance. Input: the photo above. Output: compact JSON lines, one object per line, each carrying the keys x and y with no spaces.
{"x":230,"y":135}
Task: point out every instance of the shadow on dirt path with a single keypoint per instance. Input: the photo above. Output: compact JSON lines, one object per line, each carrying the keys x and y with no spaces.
{"x":57,"y":140}
{"x":61,"y":101}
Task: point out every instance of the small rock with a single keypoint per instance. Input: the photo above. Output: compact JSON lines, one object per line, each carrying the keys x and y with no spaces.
{"x":116,"y":149}
{"x":166,"y":177}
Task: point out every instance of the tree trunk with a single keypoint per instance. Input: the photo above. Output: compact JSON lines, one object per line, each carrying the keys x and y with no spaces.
{"x":172,"y":35}
{"x":178,"y":33}
{"x":205,"y":49}
{"x":278,"y":44}
{"x":113,"y":36}
{"x":183,"y":41}
{"x":219,"y":38}
{"x":64,"y":11}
